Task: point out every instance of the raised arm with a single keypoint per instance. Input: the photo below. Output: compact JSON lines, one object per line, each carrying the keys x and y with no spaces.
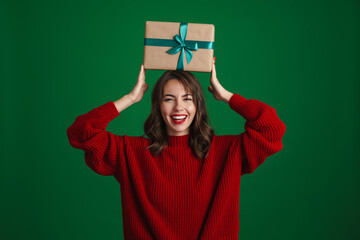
{"x":264,"y":129}
{"x":104,"y":150}
{"x":219,"y":93}
{"x":136,"y":94}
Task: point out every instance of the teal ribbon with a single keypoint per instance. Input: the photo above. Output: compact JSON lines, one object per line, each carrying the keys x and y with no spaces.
{"x":180,"y":44}
{"x":183,"y":46}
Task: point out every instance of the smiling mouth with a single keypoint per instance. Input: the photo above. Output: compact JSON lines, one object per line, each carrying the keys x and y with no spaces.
{"x":178,"y":119}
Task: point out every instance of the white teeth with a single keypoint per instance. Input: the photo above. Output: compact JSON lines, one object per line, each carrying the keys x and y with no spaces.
{"x":178,"y":117}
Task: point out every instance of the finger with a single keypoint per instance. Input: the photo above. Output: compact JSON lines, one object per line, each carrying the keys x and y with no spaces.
{"x":141,"y":69}
{"x":210,"y":89}
{"x":214,"y":79}
{"x":141,"y":77}
{"x":213,"y":72}
{"x":146,"y":87}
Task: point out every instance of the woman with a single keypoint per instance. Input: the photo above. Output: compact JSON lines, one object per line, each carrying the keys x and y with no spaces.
{"x":183,"y":181}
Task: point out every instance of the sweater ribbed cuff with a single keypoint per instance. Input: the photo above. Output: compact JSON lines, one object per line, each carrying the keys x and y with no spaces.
{"x":237,"y":103}
{"x":108,"y":111}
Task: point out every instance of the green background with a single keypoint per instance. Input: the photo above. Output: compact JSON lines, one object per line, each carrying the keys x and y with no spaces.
{"x":60,"y":59}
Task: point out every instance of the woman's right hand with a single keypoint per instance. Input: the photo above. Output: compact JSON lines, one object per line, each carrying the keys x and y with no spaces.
{"x":140,"y":88}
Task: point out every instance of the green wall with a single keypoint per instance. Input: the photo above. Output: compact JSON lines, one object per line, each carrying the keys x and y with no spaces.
{"x":60,"y":59}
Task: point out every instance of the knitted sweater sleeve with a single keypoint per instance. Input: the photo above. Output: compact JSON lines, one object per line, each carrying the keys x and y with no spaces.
{"x":102,"y":148}
{"x":263,"y":131}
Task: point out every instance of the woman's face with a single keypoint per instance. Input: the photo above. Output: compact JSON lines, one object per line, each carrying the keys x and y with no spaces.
{"x":177,"y":108}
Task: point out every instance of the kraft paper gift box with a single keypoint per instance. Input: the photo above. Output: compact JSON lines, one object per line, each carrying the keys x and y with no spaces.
{"x":179,"y":46}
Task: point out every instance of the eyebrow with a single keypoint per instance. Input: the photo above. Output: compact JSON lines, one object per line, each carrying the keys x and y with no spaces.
{"x":169,"y":95}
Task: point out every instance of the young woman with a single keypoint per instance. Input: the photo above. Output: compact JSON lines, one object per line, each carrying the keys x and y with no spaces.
{"x":182,"y":181}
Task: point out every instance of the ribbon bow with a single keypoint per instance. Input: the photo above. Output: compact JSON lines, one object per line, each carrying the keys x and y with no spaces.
{"x":183,"y":45}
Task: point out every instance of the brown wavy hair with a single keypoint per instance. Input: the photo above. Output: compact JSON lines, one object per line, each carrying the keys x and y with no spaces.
{"x":200,"y":132}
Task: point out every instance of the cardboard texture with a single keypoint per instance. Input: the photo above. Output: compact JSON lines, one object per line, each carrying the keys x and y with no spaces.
{"x":156,"y":57}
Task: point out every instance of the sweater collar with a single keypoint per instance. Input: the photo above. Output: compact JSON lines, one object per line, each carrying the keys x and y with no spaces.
{"x":179,"y":140}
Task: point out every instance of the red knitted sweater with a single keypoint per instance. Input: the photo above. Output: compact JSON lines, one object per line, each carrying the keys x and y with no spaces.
{"x":175,"y":195}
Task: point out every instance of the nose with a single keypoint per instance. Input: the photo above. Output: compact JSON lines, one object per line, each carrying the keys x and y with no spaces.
{"x":178,"y":106}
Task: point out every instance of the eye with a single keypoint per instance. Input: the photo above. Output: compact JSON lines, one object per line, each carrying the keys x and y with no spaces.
{"x":188,"y":99}
{"x":168,"y":99}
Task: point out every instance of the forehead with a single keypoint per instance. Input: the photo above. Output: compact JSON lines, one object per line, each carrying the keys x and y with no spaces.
{"x":174,"y":87}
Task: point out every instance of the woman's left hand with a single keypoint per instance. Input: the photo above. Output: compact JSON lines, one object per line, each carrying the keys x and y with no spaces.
{"x":216,"y":89}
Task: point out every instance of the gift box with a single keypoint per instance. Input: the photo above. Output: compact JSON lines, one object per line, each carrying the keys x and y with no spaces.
{"x":179,"y":46}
